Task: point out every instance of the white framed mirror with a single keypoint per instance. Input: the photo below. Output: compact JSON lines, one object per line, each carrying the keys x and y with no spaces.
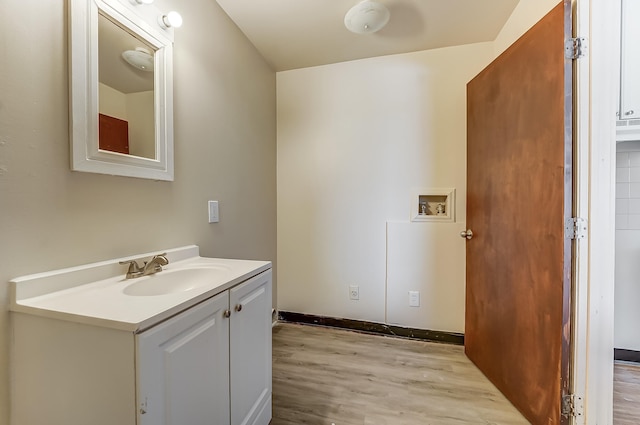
{"x":121,"y":89}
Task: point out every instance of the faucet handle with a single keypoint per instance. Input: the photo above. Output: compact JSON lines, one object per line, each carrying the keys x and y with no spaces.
{"x":161,"y":259}
{"x":134,"y":269}
{"x":154,"y":265}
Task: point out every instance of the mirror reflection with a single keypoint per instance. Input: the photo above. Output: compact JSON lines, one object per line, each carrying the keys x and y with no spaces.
{"x":125,"y":92}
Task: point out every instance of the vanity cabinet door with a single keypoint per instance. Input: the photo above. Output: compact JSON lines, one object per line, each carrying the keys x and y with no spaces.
{"x":183,"y":368}
{"x":250,"y":305}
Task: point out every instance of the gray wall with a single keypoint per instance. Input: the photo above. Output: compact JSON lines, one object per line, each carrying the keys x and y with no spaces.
{"x":225,"y":149}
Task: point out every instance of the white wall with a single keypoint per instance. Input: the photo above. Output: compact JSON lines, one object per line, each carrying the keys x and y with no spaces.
{"x":627,"y":267}
{"x":142,"y":133}
{"x":112,"y":102}
{"x":354,"y":139}
{"x":225,"y":128}
{"x":523,"y":17}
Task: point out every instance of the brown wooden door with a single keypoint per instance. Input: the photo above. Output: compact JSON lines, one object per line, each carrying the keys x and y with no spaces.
{"x":519,"y":193}
{"x":113,"y":134}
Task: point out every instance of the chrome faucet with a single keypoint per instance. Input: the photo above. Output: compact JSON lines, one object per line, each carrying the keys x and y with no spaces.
{"x":151,"y":267}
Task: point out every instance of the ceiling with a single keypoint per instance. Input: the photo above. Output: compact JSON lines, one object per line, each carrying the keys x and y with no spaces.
{"x":294,"y":34}
{"x":113,"y":70}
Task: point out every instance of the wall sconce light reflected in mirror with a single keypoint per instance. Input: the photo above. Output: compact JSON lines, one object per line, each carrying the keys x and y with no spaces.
{"x":171,"y":19}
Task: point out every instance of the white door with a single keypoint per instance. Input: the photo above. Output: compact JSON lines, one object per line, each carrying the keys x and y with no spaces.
{"x":250,"y":305}
{"x":183,"y":368}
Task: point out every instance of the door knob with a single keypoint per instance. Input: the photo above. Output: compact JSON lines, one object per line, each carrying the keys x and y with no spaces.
{"x":467,"y":234}
{"x":239,"y":307}
{"x":629,"y":112}
{"x":226,"y":314}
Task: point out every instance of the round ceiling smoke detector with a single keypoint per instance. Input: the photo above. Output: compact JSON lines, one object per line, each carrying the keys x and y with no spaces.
{"x":366,"y":17}
{"x":139,"y":58}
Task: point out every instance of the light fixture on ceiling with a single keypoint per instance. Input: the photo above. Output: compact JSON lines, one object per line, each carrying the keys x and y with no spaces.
{"x":171,"y":19}
{"x":139,"y":58}
{"x":144,"y":1}
{"x":366,"y":17}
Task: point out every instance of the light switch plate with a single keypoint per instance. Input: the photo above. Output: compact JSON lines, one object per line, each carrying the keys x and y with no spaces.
{"x":213,"y":212}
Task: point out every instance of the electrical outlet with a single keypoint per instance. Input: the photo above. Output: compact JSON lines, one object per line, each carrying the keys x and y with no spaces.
{"x":414,"y":298}
{"x":354,"y":292}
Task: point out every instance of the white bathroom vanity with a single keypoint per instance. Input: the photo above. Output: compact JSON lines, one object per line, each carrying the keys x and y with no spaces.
{"x":190,"y":344}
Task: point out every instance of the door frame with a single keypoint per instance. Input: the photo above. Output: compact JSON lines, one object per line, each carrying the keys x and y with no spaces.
{"x":595,"y":107}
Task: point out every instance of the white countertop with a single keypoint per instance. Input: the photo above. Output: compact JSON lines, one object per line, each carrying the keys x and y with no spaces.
{"x":62,"y":294}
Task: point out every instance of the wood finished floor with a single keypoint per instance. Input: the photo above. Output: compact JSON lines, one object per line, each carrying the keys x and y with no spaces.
{"x":330,"y":376}
{"x":626,"y":394}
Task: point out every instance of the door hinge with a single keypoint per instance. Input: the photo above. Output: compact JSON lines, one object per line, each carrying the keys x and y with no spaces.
{"x":572,"y":406}
{"x":575,"y":48}
{"x":575,"y":228}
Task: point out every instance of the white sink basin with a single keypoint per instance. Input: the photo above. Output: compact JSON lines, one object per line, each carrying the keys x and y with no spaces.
{"x":177,"y":280}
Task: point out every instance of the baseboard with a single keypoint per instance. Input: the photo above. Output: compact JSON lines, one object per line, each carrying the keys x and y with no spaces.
{"x":373,"y":328}
{"x":626,"y":355}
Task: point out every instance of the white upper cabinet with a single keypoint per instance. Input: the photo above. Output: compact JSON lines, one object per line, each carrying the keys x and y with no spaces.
{"x":628,"y":115}
{"x":630,"y":63}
